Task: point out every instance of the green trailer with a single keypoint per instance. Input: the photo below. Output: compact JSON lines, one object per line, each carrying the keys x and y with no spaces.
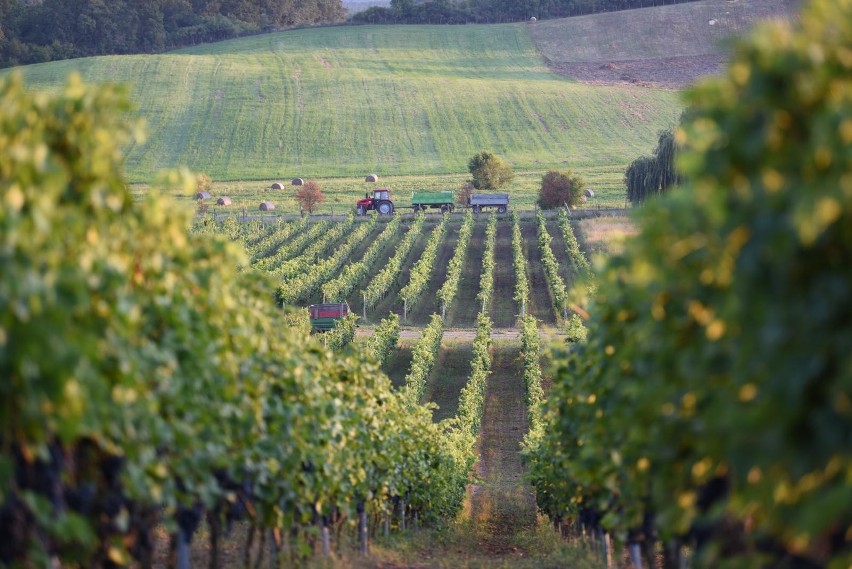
{"x":445,"y":201}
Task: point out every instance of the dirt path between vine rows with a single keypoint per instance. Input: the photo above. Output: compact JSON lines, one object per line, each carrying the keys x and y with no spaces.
{"x":503,"y":502}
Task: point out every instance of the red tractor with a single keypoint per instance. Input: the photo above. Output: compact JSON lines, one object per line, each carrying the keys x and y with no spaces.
{"x":381,"y":202}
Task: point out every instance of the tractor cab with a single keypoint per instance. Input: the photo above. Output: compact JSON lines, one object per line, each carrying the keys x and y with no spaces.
{"x":380,"y":201}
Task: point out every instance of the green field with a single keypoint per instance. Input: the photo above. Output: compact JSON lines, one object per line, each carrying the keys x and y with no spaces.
{"x":342,"y":102}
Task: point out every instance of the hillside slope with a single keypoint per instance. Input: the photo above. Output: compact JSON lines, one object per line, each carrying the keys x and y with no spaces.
{"x":345,"y":101}
{"x":667,"y":45}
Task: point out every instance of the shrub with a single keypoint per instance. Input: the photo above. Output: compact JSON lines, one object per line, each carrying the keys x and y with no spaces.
{"x":489,"y":171}
{"x":560,"y":188}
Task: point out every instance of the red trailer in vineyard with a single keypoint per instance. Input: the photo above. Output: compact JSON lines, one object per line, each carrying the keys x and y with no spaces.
{"x":324,"y":317}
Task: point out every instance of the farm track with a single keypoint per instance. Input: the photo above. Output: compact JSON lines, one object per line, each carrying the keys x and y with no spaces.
{"x":429,"y":304}
{"x":448,"y":378}
{"x":503,"y":502}
{"x":466,"y":306}
{"x":503,"y":308}
{"x":540,"y":304}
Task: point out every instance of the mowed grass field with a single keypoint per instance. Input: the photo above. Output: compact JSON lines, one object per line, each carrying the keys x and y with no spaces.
{"x":341,"y":102}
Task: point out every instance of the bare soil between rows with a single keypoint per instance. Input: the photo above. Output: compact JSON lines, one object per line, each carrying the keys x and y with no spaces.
{"x":663,"y":72}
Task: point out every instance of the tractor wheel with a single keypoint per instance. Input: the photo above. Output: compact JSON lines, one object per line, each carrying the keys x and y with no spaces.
{"x":477,"y":209}
{"x":385,"y":208}
{"x":445,"y":208}
{"x":360,"y":211}
{"x":501,"y":209}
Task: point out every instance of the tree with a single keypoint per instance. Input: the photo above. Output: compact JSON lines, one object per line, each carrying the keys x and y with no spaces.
{"x":560,"y":189}
{"x":203,"y":183}
{"x":309,"y":195}
{"x":652,"y":175}
{"x":489,"y":171}
{"x":463,"y":195}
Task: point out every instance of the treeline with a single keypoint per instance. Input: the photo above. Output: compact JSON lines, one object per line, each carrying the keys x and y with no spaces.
{"x":486,"y":11}
{"x":34,"y":32}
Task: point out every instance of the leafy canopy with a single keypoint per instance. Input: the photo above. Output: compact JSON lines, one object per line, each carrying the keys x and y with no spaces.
{"x":489,"y":171}
{"x":719,"y":350}
{"x":560,"y":189}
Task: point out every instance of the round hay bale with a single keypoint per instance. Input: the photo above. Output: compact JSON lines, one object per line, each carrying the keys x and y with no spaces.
{"x":267,"y":206}
{"x":277,"y":186}
{"x":589,"y":193}
{"x":372,"y":178}
{"x":223,"y":201}
{"x":298,"y":181}
{"x":202,"y":196}
{"x":533,"y":20}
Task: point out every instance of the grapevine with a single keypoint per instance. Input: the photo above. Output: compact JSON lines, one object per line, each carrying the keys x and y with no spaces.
{"x":522,"y":286}
{"x":422,"y":269}
{"x":423,"y":359}
{"x":448,"y":291}
{"x":382,"y":282}
{"x":558,"y":290}
{"x":339,"y":288}
{"x":300,"y":287}
{"x":486,"y":280}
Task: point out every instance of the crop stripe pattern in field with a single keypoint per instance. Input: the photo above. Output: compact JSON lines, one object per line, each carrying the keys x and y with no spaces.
{"x":339,"y":288}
